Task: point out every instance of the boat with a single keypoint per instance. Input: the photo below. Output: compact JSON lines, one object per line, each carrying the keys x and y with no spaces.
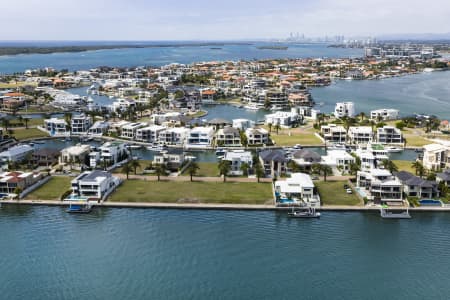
{"x":134,"y":147}
{"x":221,"y":152}
{"x":393,"y":149}
{"x":385,"y":213}
{"x":308,"y":213}
{"x":79,"y":208}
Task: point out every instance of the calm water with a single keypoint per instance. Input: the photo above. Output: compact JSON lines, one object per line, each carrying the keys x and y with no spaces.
{"x":176,"y":254}
{"x":164,"y":56}
{"x":427,"y":93}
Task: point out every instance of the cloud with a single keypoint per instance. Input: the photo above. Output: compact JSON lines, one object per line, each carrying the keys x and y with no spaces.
{"x":201,"y":19}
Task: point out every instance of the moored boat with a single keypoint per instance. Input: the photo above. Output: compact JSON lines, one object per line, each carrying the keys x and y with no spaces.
{"x":79,"y":208}
{"x":308,"y":213}
{"x":385,"y":213}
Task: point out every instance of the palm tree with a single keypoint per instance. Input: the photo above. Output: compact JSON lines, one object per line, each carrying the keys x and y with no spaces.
{"x":322,"y":169}
{"x":416,"y":166}
{"x":127,"y":169}
{"x":293,"y":166}
{"x":277,"y":127}
{"x":26,"y":119}
{"x":192,"y":169}
{"x":354,"y":168}
{"x":5,"y":123}
{"x":244,"y":168}
{"x":259,"y":171}
{"x":389,"y":165}
{"x":160,"y":169}
{"x":224,"y":168}
{"x":362,"y":115}
{"x":68,"y":119}
{"x":270,"y":127}
{"x":135,"y":164}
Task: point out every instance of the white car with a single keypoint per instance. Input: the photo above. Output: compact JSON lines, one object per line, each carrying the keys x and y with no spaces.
{"x":349,"y":191}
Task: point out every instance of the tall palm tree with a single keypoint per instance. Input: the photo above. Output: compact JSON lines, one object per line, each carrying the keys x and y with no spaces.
{"x":5,"y":123}
{"x":259,"y":171}
{"x":389,"y":165}
{"x":127,"y":169}
{"x":416,"y":166}
{"x":224,"y":168}
{"x":68,"y":119}
{"x":277,"y":127}
{"x":192,"y":169}
{"x":244,"y":168}
{"x":270,"y":127}
{"x":362,"y":115}
{"x":135,"y":164}
{"x":326,"y":170}
{"x":160,"y":169}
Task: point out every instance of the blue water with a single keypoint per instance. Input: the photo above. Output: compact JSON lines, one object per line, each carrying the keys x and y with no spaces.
{"x":162,"y":56}
{"x":189,"y":254}
{"x":427,"y":93}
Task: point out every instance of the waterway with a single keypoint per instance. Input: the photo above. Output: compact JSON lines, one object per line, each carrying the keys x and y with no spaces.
{"x":190,"y":254}
{"x":163,"y":56}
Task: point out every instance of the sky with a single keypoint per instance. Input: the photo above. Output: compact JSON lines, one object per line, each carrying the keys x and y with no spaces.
{"x":217,"y":20}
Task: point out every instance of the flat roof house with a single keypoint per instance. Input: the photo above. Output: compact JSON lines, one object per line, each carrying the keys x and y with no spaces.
{"x":56,"y":127}
{"x":81,"y":124}
{"x":237,"y":158}
{"x":16,"y":153}
{"x":436,"y":156}
{"x":229,"y":137}
{"x":299,"y":188}
{"x":149,"y":134}
{"x":257,"y":136}
{"x":200,"y":137}
{"x":381,"y":186}
{"x":94,"y":184}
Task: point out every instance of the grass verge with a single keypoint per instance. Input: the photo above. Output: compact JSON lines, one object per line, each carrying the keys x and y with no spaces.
{"x":333,"y":193}
{"x":52,"y":190}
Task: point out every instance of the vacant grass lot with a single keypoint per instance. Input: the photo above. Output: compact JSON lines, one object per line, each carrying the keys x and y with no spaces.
{"x":52,"y":190}
{"x":404,"y":165}
{"x":333,"y":193}
{"x":193,"y":192}
{"x":290,"y":137}
{"x":30,"y":133}
{"x":207,"y":169}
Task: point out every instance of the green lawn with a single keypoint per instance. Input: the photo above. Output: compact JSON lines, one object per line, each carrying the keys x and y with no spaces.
{"x":22,"y":134}
{"x":207,"y":169}
{"x":404,"y":165}
{"x":333,"y":193}
{"x":302,"y":139}
{"x":139,"y":171}
{"x":52,"y":190}
{"x":193,"y":192}
{"x":416,"y":141}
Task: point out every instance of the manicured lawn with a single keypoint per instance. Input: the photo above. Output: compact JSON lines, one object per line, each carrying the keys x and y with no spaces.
{"x":52,"y":190}
{"x":4,"y":85}
{"x":31,"y":122}
{"x":22,"y":134}
{"x":302,"y":139}
{"x":404,"y":165}
{"x":416,"y":141}
{"x":193,"y":192}
{"x":207,"y":169}
{"x":333,"y":193}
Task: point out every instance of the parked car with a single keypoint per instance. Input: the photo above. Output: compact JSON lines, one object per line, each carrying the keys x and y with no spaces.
{"x":349,"y":191}
{"x":346,"y":187}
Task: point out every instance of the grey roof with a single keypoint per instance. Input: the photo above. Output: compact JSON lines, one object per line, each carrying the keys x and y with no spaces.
{"x":444,"y":175}
{"x":411,"y":180}
{"x":218,"y":121}
{"x":273,"y":155}
{"x":94,"y":174}
{"x":403,"y":175}
{"x":229,"y":130}
{"x":307,"y":155}
{"x":46,"y":152}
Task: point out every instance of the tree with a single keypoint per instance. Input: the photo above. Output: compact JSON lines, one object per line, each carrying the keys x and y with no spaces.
{"x":224,"y":168}
{"x":277,"y":127}
{"x":160,"y":169}
{"x":68,"y":119}
{"x":5,"y":123}
{"x":268,"y":124}
{"x":127,"y":169}
{"x":354,"y":168}
{"x":389,"y":165}
{"x":244,"y":168}
{"x":322,"y":169}
{"x":26,"y":119}
{"x":135,"y":164}
{"x":443,"y":188}
{"x":362,"y":115}
{"x":259,"y":171}
{"x":418,"y":167}
{"x":293,"y":166}
{"x":192,"y":169}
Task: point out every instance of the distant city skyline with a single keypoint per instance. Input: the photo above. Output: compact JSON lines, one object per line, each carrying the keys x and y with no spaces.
{"x":209,"y":20}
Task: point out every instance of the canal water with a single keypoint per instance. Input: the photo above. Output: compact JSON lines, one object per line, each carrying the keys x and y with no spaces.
{"x":193,"y":254}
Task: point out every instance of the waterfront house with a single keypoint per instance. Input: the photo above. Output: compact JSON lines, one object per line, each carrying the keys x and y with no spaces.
{"x":56,"y":127}
{"x":11,"y":181}
{"x":80,"y":124}
{"x":257,"y":136}
{"x":228,"y":137}
{"x":218,"y":123}
{"x":237,"y":158}
{"x":444,"y":177}
{"x":274,"y":162}
{"x":149,"y":134}
{"x":384,"y":114}
{"x":200,"y":137}
{"x":300,"y":188}
{"x":207,"y":96}
{"x":340,"y":159}
{"x":16,"y":153}
{"x":129,"y":131}
{"x":110,"y":153}
{"x":380,"y":186}
{"x":78,"y":153}
{"x":94,"y":184}
{"x":389,"y":135}
{"x":283,"y":118}
{"x":436,"y":156}
{"x":333,"y":133}
{"x":173,"y":159}
{"x":360,"y":134}
{"x":307,"y":112}
{"x":99,"y":128}
{"x":45,"y":157}
{"x":173,"y":136}
{"x":344,"y":109}
{"x":414,"y":186}
{"x":243,"y":124}
{"x":306,"y":158}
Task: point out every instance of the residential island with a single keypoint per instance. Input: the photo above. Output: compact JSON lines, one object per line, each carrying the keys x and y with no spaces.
{"x":154,"y":144}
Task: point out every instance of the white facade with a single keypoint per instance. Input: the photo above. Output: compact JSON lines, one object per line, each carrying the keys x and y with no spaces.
{"x":334,"y":133}
{"x":200,"y":137}
{"x":282,"y":118}
{"x":173,"y":136}
{"x":344,"y":109}
{"x":110,"y":153}
{"x":338,"y":158}
{"x":436,"y":156}
{"x":56,"y":127}
{"x":360,"y":134}
{"x":384,"y":114}
{"x":243,"y":124}
{"x":95,"y":184}
{"x":16,"y":153}
{"x":129,"y":131}
{"x":81,"y":124}
{"x":149,"y":134}
{"x":75,"y":153}
{"x":380,"y":185}
{"x":257,"y":136}
{"x":237,"y":158}
{"x":389,"y":135}
{"x":298,"y":186}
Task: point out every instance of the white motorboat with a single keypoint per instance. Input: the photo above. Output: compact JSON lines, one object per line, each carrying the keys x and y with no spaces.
{"x":308,"y":213}
{"x":393,"y":149}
